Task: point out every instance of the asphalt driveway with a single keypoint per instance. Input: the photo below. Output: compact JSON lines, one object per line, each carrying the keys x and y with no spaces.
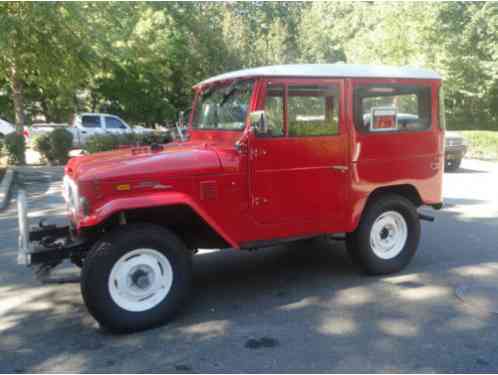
{"x":298,"y":307}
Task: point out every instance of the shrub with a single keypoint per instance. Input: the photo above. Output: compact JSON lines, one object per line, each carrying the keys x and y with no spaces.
{"x":54,"y":146}
{"x":101,"y":143}
{"x":61,"y":142}
{"x":41,"y":143}
{"x":14,"y":145}
{"x":1,"y":146}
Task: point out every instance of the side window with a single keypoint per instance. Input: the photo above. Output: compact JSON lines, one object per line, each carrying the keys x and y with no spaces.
{"x":274,"y":110}
{"x":392,"y":108}
{"x":114,"y":123}
{"x":313,"y":110}
{"x":90,"y":121}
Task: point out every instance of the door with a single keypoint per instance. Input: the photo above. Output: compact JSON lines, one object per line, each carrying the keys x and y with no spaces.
{"x":299,"y":168}
{"x":114,"y":125}
{"x":90,"y":125}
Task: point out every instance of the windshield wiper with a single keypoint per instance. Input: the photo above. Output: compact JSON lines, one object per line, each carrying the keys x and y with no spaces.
{"x":229,"y":92}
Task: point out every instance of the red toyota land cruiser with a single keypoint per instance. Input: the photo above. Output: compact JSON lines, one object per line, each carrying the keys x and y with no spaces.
{"x":274,"y":154}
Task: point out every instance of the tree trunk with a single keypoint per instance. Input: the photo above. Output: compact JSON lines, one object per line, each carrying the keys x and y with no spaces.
{"x":18,"y":99}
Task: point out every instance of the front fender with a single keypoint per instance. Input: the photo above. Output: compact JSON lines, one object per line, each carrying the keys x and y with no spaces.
{"x":148,"y":201}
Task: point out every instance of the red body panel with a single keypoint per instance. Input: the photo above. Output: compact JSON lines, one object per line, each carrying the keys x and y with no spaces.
{"x":289,"y":187}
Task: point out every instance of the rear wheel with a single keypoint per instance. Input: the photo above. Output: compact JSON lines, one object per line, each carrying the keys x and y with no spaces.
{"x":453,"y":165}
{"x":136,"y":278}
{"x":387,"y":236}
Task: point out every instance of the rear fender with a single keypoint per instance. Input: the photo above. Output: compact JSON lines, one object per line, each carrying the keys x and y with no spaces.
{"x":153,"y":200}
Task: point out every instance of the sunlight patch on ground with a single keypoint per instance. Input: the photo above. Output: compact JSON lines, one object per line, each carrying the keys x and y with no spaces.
{"x":354,"y":296}
{"x":63,"y":363}
{"x":399,"y":279}
{"x":207,"y":330}
{"x":482,"y":269}
{"x":308,"y":301}
{"x":424,"y":293}
{"x":14,"y":299}
{"x":398,"y":327}
{"x":338,"y":326}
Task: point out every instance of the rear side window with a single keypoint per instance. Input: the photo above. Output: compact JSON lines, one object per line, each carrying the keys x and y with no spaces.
{"x":312,"y":110}
{"x":114,"y":123}
{"x":90,"y":121}
{"x":397,"y":108}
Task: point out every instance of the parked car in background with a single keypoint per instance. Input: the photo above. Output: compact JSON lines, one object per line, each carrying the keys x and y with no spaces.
{"x":456,"y":147}
{"x":86,"y":125}
{"x":6,"y":128}
{"x":274,"y":154}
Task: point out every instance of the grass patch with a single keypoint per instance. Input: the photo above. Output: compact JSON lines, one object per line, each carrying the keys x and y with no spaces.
{"x":483,"y":144}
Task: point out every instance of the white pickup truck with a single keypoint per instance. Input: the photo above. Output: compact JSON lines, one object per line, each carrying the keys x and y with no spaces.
{"x":86,"y":125}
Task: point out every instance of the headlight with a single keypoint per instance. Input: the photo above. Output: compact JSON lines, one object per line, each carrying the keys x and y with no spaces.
{"x":71,"y":194}
{"x":84,"y":206}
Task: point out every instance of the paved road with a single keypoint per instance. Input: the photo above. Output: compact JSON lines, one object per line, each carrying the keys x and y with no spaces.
{"x":301,"y":308}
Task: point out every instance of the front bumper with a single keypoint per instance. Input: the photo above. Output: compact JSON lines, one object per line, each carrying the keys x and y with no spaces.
{"x":455,"y":152}
{"x":24,"y":247}
{"x":45,"y":244}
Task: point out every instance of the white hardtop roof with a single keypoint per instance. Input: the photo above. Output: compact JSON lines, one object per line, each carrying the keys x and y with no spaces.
{"x":338,"y":70}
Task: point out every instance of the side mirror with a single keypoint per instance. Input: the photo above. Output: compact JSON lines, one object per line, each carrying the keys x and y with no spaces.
{"x":259,"y":122}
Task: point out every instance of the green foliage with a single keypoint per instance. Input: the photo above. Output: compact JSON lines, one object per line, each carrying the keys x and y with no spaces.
{"x":14,"y":146}
{"x":140,"y":60}
{"x":61,"y":141}
{"x":104,"y":143}
{"x":41,"y":144}
{"x":109,"y":142}
{"x":482,"y":144}
{"x":54,"y":146}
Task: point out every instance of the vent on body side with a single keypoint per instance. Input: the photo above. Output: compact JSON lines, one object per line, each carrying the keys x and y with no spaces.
{"x":209,"y":190}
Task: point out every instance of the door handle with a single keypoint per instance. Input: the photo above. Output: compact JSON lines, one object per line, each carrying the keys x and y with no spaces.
{"x":340,"y":168}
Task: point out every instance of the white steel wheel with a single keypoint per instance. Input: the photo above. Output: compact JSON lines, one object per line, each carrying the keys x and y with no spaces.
{"x":388,"y":235}
{"x":140,"y":280}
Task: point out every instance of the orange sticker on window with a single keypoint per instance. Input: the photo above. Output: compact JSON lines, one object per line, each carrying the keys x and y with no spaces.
{"x":384,"y":122}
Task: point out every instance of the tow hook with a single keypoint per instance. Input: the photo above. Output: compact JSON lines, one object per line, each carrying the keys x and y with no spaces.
{"x":425,"y":217}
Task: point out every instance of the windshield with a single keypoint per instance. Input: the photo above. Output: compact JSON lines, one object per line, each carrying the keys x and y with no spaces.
{"x":223,"y":107}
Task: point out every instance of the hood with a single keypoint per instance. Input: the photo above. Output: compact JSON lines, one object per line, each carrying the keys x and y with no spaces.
{"x":453,"y":135}
{"x":6,"y":127}
{"x":176,"y":159}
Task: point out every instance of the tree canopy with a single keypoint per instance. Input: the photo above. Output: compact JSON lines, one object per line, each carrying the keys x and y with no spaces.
{"x":140,"y":60}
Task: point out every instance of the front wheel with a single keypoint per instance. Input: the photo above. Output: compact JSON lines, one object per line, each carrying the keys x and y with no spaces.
{"x":136,"y":278}
{"x":387,"y":236}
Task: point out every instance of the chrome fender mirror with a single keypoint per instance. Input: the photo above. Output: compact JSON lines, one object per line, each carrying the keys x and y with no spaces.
{"x":259,"y":122}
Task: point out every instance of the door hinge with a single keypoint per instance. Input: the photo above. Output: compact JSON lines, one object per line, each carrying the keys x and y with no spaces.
{"x":258,"y":201}
{"x":340,"y":168}
{"x":257,"y":152}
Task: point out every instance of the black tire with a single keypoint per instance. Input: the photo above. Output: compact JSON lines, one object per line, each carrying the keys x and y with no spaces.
{"x":358,"y":242}
{"x":105,"y":254}
{"x":453,"y":165}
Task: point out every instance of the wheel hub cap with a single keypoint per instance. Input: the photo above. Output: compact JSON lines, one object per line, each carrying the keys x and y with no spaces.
{"x":388,"y":235}
{"x":140,"y":280}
